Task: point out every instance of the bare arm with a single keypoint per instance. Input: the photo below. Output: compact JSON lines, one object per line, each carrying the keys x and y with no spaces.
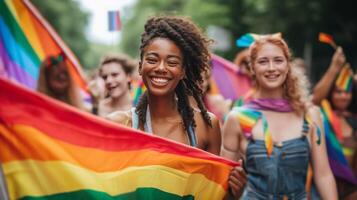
{"x":230,"y":150}
{"x":323,"y":176}
{"x":231,"y":132}
{"x":322,"y":88}
{"x":214,"y":136}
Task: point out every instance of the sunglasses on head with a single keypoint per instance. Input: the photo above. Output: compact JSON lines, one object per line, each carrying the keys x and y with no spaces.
{"x":54,"y":60}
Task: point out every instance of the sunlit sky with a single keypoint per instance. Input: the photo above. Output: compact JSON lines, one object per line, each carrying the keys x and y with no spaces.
{"x":97,"y":30}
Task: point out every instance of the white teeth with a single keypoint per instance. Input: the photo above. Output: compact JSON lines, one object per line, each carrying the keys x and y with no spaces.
{"x":160,"y":80}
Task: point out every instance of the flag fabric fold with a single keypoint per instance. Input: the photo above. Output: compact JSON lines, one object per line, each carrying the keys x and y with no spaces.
{"x":26,"y":39}
{"x":227,"y":80}
{"x":50,"y":150}
{"x":337,"y":159}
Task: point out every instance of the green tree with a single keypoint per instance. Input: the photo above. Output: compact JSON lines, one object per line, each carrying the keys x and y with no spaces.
{"x":70,"y":22}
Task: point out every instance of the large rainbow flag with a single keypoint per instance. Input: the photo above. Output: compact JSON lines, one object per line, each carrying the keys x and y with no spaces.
{"x":50,"y":150}
{"x":339,"y":165}
{"x":26,"y":39}
{"x":227,"y":80}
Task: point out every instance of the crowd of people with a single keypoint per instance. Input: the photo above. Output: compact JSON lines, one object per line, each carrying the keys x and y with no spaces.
{"x":278,"y":132}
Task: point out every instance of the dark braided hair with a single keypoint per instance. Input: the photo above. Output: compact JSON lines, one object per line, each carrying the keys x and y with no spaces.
{"x":194,"y":47}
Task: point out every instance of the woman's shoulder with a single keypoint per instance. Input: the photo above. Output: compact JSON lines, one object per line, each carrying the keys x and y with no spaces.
{"x":121,"y":117}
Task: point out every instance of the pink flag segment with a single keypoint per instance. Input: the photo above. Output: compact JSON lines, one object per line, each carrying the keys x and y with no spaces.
{"x":227,"y":80}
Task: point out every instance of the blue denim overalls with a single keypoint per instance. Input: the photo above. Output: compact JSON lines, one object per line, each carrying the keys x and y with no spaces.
{"x":283,"y":174}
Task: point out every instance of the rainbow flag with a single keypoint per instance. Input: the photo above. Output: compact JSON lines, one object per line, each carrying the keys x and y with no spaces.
{"x":50,"y":150}
{"x":326,"y":38}
{"x":345,"y":79}
{"x":26,"y":39}
{"x":227,"y":80}
{"x":337,"y":159}
{"x":245,"y":40}
{"x":138,"y":90}
{"x":247,"y":119}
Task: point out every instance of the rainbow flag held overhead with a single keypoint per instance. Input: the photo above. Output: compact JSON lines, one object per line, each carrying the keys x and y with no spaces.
{"x":345,"y":79}
{"x":227,"y":80}
{"x":326,"y":38}
{"x":26,"y":39}
{"x":337,"y":159}
{"x":50,"y":150}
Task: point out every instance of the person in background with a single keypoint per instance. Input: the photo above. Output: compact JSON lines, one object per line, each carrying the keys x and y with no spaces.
{"x":115,"y":70}
{"x":173,"y":55}
{"x":344,"y":107}
{"x":276,"y":131}
{"x":242,"y":61}
{"x":55,"y":81}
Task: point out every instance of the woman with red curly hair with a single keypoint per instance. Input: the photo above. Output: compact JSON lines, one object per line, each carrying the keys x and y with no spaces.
{"x":276,"y":131}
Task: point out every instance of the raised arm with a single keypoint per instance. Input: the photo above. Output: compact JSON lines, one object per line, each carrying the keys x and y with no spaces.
{"x":322,"y":88}
{"x":323,"y":176}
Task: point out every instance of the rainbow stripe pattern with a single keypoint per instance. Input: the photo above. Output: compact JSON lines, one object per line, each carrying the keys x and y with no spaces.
{"x":247,"y":119}
{"x":337,"y":159}
{"x":227,"y":80}
{"x":138,"y":90}
{"x":332,"y":119}
{"x":63,"y":153}
{"x":26,"y":39}
{"x":345,"y":79}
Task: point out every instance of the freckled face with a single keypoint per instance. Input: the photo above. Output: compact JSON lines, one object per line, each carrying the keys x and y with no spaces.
{"x":270,"y":67}
{"x":161,"y":67}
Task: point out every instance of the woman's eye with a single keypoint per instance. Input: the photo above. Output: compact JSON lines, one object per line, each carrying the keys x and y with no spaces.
{"x":172,"y":64}
{"x":151,"y":60}
{"x":279,"y":61}
{"x":104,"y":77}
{"x":262,"y":62}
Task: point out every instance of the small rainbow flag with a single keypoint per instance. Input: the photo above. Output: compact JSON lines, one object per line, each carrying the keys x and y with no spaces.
{"x":114,"y":23}
{"x":26,"y":39}
{"x":227,"y":80}
{"x":326,"y":38}
{"x":247,"y":119}
{"x":337,"y":159}
{"x":345,"y":79}
{"x":245,"y":40}
{"x":50,"y":150}
{"x":138,"y":90}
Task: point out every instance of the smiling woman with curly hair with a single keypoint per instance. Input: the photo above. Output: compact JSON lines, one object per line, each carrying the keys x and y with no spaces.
{"x":173,"y":55}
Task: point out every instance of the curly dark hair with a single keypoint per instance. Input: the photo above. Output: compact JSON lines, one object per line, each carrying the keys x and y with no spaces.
{"x":194,"y":47}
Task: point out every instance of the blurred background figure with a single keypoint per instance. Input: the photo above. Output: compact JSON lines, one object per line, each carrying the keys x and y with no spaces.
{"x":214,"y":103}
{"x":115,"y":70}
{"x":54,"y":80}
{"x":242,"y":61}
{"x":343,"y":102}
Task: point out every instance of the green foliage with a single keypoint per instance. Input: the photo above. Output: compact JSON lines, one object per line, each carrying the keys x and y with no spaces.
{"x":70,"y":23}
